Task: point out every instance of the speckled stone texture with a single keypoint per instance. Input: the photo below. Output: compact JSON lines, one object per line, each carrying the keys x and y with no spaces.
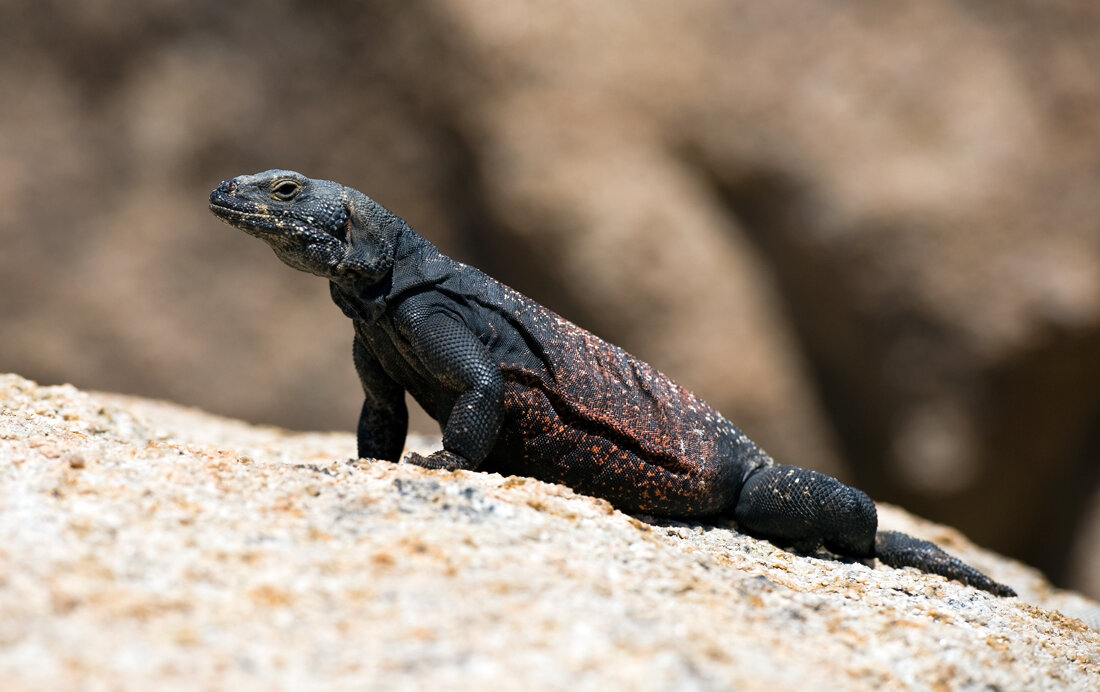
{"x":146,"y":546}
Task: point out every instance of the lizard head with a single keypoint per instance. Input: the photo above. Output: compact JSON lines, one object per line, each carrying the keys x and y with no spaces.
{"x":317,"y":226}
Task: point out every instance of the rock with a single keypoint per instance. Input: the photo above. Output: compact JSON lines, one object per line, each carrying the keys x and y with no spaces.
{"x":188,"y":550}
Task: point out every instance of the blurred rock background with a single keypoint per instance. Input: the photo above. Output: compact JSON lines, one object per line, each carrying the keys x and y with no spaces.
{"x":869,"y":233}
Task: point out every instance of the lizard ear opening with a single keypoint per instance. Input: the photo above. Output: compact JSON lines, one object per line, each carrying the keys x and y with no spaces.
{"x":347,"y":224}
{"x":338,"y":224}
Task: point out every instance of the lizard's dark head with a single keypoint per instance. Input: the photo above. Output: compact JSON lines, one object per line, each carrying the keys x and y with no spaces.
{"x":317,"y":226}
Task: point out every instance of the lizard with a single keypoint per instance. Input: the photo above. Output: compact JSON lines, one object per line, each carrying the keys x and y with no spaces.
{"x":519,"y":390}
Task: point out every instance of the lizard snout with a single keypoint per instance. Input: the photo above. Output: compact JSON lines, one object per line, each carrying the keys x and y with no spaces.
{"x":226,"y":187}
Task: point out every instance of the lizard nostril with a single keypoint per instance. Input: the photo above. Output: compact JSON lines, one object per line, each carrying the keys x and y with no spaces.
{"x":224,"y":189}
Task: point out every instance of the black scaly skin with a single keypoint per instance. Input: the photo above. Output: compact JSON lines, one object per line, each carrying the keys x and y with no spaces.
{"x":519,"y":390}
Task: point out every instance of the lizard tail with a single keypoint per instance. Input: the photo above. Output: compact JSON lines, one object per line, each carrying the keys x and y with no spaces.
{"x":900,"y":550}
{"x":806,"y":509}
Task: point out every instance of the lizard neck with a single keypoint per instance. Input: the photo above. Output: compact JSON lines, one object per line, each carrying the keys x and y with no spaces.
{"x":415,"y":263}
{"x":361,"y":302}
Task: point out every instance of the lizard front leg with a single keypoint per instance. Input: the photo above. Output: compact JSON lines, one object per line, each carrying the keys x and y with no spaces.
{"x":457,"y":360}
{"x":384,"y":418}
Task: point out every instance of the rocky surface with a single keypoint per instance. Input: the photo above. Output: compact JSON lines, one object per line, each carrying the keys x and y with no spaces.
{"x":143,"y":545}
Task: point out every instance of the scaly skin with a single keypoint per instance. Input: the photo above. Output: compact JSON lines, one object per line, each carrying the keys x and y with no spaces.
{"x":519,"y":390}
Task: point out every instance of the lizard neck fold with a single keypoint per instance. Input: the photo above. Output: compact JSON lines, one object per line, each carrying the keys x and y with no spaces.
{"x":413,"y":263}
{"x":361,"y":302}
{"x":372,"y":239}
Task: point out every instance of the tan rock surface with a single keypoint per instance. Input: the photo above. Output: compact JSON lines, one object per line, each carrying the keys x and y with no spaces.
{"x":147,"y":546}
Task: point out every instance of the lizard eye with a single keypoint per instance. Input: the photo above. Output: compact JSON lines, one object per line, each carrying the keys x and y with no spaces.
{"x":285,"y":190}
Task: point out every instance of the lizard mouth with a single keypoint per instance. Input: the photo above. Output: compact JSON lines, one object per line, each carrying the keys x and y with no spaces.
{"x":248,"y":221}
{"x":234,"y":214}
{"x":233,"y":210}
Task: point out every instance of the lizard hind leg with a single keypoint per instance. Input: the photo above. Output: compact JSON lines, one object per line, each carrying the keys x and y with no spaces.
{"x":807,"y":509}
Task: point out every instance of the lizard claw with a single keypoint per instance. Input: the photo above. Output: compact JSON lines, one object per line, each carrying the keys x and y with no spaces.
{"x":447,"y":461}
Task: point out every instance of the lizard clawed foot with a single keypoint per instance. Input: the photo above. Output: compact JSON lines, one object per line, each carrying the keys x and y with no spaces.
{"x":447,"y":461}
